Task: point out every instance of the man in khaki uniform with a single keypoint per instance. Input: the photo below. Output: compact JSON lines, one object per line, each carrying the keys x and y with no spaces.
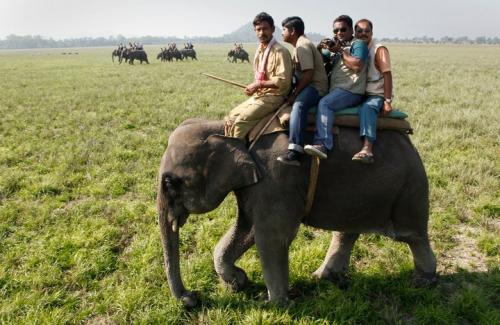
{"x":273,"y":80}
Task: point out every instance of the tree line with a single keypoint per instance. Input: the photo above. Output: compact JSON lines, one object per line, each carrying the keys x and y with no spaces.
{"x":241,"y":35}
{"x":483,"y":40}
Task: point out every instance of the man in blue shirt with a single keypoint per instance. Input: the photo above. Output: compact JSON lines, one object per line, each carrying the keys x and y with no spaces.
{"x":347,"y":82}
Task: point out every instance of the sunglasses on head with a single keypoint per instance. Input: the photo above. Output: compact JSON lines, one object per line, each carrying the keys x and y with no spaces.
{"x":366,"y":30}
{"x":342,"y":30}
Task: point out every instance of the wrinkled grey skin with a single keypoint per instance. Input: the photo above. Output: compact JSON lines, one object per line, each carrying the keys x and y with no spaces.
{"x":200,"y":167}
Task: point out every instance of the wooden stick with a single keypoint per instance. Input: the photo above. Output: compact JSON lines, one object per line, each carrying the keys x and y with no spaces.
{"x":224,"y":80}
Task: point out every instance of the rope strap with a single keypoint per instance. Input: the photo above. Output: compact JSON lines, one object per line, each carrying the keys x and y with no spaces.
{"x":311,"y":190}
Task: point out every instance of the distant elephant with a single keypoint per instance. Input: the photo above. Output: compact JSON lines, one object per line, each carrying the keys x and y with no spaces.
{"x":124,"y":56}
{"x":164,"y":55}
{"x":137,"y":55}
{"x":233,"y":56}
{"x":117,"y":53}
{"x":176,"y":54}
{"x":201,"y":166}
{"x":189,"y":53}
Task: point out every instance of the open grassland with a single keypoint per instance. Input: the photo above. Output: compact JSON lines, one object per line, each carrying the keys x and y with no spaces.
{"x":80,"y":143}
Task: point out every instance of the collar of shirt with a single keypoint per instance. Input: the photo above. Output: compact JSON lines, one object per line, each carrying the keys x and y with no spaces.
{"x":262,"y":48}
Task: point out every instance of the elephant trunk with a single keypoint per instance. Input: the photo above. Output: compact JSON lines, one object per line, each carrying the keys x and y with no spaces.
{"x":170,"y":239}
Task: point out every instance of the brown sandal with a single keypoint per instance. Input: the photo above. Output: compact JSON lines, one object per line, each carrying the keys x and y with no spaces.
{"x":363,"y":157}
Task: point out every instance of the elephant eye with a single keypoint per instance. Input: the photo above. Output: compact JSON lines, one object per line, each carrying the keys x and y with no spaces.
{"x":172,"y":181}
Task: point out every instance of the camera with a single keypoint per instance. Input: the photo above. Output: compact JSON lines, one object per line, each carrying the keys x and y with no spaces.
{"x":335,"y":42}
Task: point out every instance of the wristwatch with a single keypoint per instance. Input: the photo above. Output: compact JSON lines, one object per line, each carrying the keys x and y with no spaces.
{"x":388,"y":100}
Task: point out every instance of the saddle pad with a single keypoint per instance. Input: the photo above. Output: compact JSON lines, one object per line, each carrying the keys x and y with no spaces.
{"x":348,"y":119}
{"x":354,"y":111}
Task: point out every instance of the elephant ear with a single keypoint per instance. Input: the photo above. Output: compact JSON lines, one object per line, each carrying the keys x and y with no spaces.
{"x":229,"y":165}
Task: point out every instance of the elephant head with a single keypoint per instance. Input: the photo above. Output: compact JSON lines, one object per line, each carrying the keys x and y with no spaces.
{"x":198,"y":169}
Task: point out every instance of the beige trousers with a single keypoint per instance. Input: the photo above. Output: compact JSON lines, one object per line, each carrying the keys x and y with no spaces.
{"x":245,"y":116}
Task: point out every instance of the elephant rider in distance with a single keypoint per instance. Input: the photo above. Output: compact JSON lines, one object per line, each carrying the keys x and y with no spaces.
{"x":347,"y":82}
{"x":273,"y":79}
{"x":311,"y":86}
{"x":138,"y":47}
{"x":238,"y":47}
{"x":378,"y":91}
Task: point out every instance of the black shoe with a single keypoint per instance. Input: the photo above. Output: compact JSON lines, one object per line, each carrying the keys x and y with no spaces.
{"x":290,"y":158}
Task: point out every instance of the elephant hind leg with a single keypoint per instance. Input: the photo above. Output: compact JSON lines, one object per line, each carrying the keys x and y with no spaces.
{"x":410,"y":217}
{"x":335,"y":266}
{"x":237,"y":240}
{"x":424,"y":260}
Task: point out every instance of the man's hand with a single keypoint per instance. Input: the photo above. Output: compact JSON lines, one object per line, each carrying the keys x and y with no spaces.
{"x":386,"y":109}
{"x":323,"y":44}
{"x":252,"y":88}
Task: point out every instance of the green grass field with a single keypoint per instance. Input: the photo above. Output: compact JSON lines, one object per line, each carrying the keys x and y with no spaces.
{"x":80,"y":143}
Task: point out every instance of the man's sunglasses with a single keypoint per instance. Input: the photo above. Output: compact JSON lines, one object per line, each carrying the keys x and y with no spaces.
{"x":342,"y":30}
{"x":366,"y":30}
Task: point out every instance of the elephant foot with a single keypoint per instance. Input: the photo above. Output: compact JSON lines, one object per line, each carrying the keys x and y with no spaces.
{"x":340,"y":279}
{"x":282,"y":302}
{"x":423,"y":280}
{"x":236,"y":280}
{"x":189,"y":299}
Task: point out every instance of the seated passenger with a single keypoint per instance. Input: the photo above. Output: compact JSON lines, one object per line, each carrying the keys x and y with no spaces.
{"x":347,"y":83}
{"x":312,"y":84}
{"x":378,"y":91}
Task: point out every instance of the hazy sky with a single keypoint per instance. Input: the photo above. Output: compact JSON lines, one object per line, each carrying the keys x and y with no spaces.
{"x":392,"y":18}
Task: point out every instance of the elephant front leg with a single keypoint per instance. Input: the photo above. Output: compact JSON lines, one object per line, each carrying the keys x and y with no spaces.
{"x":232,"y":246}
{"x":336,"y":264}
{"x":273,"y":253}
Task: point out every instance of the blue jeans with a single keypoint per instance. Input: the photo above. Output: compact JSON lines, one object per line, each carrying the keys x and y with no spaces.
{"x":307,"y":98}
{"x":368,"y":117}
{"x":337,"y":100}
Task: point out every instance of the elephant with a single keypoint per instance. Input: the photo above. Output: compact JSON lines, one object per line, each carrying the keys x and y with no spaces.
{"x":124,"y":56}
{"x":233,"y":56}
{"x":164,"y":55}
{"x":176,"y":54}
{"x":117,"y":53}
{"x":201,"y":166}
{"x":188,"y":53}
{"x":136,"y":55}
